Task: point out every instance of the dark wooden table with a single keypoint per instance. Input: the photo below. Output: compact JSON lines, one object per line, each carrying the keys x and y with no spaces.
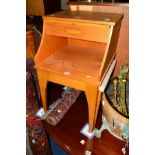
{"x":67,"y":133}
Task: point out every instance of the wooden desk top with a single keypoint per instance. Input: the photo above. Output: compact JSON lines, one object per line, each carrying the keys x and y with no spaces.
{"x":67,"y":133}
{"x":84,"y":16}
{"x":99,"y":3}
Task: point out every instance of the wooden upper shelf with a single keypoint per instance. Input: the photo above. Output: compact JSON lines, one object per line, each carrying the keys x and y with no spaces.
{"x":78,"y":61}
{"x":89,"y":17}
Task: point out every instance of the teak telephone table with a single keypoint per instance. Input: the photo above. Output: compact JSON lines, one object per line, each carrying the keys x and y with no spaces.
{"x":76,"y":50}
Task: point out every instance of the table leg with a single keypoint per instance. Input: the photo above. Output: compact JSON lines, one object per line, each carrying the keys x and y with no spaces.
{"x":43,"y":85}
{"x":98,"y":103}
{"x":92,"y":97}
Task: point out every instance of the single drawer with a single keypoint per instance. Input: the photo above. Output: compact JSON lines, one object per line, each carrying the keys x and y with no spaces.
{"x":85,"y":31}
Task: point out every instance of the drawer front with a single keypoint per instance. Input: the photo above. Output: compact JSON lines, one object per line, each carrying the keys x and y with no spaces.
{"x":85,"y":31}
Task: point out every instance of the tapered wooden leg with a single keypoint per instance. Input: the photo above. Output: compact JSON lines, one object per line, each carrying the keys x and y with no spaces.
{"x":43,"y":84}
{"x":91,"y":95}
{"x":97,"y":104}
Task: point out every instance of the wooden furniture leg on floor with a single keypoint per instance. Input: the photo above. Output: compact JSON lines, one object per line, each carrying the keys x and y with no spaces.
{"x":43,"y":91}
{"x":91,"y":95}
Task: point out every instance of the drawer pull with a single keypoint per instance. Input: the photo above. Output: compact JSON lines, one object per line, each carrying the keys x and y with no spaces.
{"x":74,"y":32}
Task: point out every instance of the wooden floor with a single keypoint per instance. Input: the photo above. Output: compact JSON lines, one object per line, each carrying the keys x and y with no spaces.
{"x":67,"y":133}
